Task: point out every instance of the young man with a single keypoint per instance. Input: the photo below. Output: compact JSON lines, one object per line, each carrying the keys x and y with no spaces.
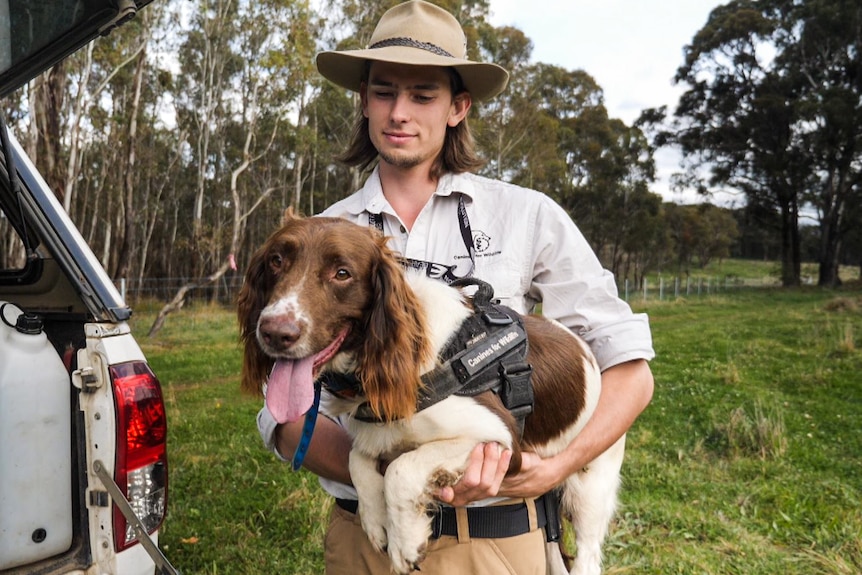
{"x":416,"y":88}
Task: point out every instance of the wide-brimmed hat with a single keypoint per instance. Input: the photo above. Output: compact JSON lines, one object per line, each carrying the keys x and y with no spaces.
{"x":417,"y":33}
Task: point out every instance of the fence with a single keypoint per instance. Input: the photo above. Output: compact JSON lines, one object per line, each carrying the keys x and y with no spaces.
{"x":225,"y":290}
{"x":671,"y":288}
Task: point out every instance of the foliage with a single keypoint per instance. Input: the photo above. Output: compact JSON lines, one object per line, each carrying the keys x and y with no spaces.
{"x":745,"y":462}
{"x":774,"y":108}
{"x":177,"y":141}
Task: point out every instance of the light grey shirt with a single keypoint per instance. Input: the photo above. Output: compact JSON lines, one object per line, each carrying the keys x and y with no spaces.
{"x":525,"y":246}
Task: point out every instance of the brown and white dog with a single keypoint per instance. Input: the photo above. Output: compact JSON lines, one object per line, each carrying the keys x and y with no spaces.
{"x":324,"y":294}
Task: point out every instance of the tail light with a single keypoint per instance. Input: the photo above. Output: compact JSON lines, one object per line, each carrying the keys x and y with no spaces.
{"x":141,"y":469}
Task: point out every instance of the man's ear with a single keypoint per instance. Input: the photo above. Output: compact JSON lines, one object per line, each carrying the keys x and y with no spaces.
{"x":460,"y":106}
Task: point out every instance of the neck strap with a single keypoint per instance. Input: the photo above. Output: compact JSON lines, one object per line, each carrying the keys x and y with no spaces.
{"x":436,"y":270}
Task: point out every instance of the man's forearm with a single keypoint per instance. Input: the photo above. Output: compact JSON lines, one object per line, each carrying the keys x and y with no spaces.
{"x":626,"y":391}
{"x":328,"y":453}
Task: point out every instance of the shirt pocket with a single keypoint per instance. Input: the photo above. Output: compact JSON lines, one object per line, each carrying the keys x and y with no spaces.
{"x":507,"y":285}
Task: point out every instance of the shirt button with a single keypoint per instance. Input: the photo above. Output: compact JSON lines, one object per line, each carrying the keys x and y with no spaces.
{"x":403,"y":229}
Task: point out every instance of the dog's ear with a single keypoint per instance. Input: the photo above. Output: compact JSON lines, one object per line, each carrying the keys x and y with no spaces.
{"x":252,"y":298}
{"x":396,"y":345}
{"x":290,"y":215}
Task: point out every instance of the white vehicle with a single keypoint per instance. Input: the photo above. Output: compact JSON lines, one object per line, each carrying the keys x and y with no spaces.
{"x":83,"y":463}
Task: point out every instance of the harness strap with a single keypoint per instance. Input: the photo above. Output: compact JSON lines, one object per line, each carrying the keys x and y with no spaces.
{"x":487,"y":354}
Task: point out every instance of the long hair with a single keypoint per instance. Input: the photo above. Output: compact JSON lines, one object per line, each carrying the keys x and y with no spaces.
{"x":459,"y":148}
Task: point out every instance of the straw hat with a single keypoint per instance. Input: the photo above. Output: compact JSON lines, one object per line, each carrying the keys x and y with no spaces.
{"x":417,"y":33}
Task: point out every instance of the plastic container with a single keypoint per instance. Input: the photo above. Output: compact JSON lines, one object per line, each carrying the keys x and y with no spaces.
{"x":35,"y":442}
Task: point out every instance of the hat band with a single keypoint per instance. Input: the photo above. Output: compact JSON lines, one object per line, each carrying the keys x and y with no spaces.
{"x":411,"y":43}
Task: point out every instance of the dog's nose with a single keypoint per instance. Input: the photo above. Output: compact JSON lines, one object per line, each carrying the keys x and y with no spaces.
{"x":278,"y":334}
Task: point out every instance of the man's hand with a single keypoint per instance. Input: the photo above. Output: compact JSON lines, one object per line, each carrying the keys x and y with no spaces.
{"x":485,"y":471}
{"x":485,"y":476}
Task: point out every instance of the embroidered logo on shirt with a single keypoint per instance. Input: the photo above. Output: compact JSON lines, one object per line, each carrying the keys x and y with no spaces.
{"x":481,"y":241}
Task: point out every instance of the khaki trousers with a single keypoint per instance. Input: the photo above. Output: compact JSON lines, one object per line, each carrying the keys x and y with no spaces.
{"x":348,"y":552}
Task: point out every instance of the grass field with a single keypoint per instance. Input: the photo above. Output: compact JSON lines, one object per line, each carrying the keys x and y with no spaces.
{"x":748,"y":461}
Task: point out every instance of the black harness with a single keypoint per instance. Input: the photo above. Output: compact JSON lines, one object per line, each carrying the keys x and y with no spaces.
{"x":488,"y":353}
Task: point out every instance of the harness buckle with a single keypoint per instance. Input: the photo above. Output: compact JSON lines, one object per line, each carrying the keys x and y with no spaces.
{"x":517,"y":389}
{"x":494,"y":316}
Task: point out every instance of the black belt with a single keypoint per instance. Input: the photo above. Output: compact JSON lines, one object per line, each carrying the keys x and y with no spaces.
{"x":491,"y":522}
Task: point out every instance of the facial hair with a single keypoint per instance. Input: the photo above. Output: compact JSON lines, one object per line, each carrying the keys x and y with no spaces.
{"x":400,"y":160}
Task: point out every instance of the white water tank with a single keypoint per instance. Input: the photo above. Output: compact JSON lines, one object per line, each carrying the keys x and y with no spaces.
{"x":35,"y":442}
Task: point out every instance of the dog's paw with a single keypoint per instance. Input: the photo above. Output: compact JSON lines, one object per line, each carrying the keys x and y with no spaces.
{"x":373,"y":523}
{"x":404,"y":560}
{"x":408,"y":540}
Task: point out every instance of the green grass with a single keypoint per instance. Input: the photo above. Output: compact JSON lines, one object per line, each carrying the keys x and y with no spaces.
{"x":746,"y":462}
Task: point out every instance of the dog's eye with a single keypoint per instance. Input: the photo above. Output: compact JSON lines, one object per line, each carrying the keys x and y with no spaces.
{"x":342,"y":274}
{"x":275,"y":260}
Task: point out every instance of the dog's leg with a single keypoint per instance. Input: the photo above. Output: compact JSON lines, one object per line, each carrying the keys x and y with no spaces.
{"x":590,"y":497}
{"x":409,"y":483}
{"x":554,"y":563}
{"x":372,"y":504}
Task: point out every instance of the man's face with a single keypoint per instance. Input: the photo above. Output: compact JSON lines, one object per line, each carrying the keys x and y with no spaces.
{"x":408,"y":109}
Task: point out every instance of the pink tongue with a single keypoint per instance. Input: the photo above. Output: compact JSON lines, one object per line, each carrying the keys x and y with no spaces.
{"x":290,"y":389}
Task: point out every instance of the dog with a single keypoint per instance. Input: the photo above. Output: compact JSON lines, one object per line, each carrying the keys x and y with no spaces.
{"x":326,"y":296}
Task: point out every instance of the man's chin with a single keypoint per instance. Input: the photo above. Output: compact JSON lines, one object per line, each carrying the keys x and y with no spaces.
{"x":400,"y":160}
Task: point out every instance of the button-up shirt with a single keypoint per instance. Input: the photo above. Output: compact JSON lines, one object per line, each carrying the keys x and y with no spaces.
{"x":524,"y":244}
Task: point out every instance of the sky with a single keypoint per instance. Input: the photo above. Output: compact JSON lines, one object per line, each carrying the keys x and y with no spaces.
{"x":632,"y":48}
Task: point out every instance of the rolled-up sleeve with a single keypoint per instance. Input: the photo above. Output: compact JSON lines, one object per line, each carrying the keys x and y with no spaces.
{"x":578,"y":292}
{"x":266,"y":426}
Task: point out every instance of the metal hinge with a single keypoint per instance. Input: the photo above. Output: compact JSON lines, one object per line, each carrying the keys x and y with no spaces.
{"x":86,"y":379}
{"x":99,"y":499}
{"x":126,"y":10}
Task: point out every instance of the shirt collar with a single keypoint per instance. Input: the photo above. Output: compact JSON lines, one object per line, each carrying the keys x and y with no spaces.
{"x":371,"y":199}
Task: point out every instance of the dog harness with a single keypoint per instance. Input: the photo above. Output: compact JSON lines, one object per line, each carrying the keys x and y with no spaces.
{"x":488,"y":353}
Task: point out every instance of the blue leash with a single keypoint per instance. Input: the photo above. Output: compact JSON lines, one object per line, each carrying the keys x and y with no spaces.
{"x":307,"y":429}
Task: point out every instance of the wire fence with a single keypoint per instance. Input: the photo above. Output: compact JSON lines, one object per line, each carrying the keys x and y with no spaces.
{"x":675,"y":287}
{"x":225,"y":290}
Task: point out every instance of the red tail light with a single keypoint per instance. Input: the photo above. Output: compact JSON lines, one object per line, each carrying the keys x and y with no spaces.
{"x":141,"y":469}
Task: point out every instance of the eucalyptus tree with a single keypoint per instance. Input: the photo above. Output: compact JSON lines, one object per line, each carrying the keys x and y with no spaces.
{"x":245,"y":71}
{"x":608,"y":166}
{"x":774,"y":108}
{"x":82,"y":118}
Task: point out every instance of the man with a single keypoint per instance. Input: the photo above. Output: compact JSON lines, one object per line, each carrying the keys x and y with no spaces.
{"x":416,"y":88}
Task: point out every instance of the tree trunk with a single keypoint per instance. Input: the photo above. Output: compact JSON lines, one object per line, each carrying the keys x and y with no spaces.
{"x":46,"y":102}
{"x":239,"y":217}
{"x":791,"y":266}
{"x":124,"y":257}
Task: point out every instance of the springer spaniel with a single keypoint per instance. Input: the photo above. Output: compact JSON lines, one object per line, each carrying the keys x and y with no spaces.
{"x":326,"y":295}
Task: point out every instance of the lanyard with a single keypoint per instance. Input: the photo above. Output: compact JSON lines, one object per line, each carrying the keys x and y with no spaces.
{"x":436,"y":270}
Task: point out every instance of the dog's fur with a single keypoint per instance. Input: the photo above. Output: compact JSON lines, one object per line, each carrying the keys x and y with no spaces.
{"x":316,"y":278}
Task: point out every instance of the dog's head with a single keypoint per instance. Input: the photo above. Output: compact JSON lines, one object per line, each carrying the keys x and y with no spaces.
{"x":325,"y":287}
